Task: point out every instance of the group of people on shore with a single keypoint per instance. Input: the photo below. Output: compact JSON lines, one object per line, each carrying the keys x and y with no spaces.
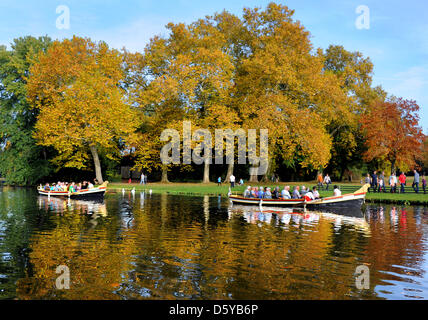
{"x":377,"y":182}
{"x":69,"y":187}
{"x":326,"y":180}
{"x":232,"y":180}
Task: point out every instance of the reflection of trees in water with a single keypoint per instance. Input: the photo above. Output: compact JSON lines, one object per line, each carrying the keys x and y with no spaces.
{"x":16,"y":227}
{"x":397,"y":246}
{"x":188,"y":247}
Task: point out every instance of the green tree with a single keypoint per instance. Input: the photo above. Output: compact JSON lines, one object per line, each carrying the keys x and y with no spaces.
{"x":22,"y":161}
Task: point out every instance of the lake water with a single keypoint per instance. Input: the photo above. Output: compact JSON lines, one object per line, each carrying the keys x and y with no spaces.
{"x":180,"y":247}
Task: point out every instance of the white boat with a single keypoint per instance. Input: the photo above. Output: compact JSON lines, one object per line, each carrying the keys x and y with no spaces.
{"x":355,"y":199}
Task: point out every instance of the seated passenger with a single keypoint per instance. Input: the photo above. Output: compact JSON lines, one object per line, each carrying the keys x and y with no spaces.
{"x":285,"y":194}
{"x":261,"y":193}
{"x":336,"y":191}
{"x":275,"y":193}
{"x":90,"y":185}
{"x":315,"y":193}
{"x":254,"y":193}
{"x":47,"y":187}
{"x":296,"y":193}
{"x":72,"y":188}
{"x":304,"y":191}
{"x":268,"y":194}
{"x":309,"y":196}
{"x":247,"y":192}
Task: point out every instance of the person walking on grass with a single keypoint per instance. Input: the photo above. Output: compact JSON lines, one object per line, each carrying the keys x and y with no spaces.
{"x":415,"y":184}
{"x":393,"y":183}
{"x":424,"y":184}
{"x":368,"y":180}
{"x":374,"y":181}
{"x":402,"y":179}
{"x":320,"y":181}
{"x":382,"y":181}
{"x":327,"y":181}
{"x":232,"y":181}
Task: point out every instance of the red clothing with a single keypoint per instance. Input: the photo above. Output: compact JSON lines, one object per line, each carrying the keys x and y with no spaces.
{"x":402,"y":178}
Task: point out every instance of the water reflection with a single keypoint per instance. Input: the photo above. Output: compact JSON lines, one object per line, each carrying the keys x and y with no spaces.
{"x":143,"y":246}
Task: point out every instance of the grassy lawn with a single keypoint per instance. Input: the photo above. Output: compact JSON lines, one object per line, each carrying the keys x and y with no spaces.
{"x":213,"y":189}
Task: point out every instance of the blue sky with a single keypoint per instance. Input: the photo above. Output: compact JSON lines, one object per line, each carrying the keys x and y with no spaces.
{"x":397,"y":40}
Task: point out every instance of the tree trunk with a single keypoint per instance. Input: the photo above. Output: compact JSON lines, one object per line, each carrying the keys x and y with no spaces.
{"x":269,"y":172}
{"x":98,"y":173}
{"x":393,"y":169}
{"x":253,"y":177}
{"x":165,"y":174}
{"x":230,"y":168}
{"x":206,"y":173}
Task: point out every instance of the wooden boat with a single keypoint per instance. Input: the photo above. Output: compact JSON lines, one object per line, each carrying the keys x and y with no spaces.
{"x":81,"y":194}
{"x":355,"y":199}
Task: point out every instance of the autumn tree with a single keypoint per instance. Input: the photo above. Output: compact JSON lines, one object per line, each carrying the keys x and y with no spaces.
{"x":392,"y":132}
{"x":281,"y":86}
{"x":77,"y":88}
{"x":188,"y":77}
{"x":354,"y":73}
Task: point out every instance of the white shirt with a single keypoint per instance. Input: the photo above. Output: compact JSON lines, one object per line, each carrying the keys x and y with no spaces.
{"x":232,"y":178}
{"x":285,"y":194}
{"x":310,"y":195}
{"x":337,"y":192}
